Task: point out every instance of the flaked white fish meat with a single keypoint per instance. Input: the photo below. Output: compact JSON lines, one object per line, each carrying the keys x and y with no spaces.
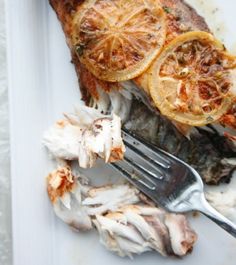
{"x":66,"y":194}
{"x":127,"y":225}
{"x":86,"y":135}
{"x":224,"y":202}
{"x":134,"y":229}
{"x":74,"y":201}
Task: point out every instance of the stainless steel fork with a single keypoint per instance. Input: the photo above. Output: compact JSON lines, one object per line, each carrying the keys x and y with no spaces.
{"x":168,"y":181}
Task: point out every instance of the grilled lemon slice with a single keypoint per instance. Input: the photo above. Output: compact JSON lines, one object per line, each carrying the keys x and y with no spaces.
{"x":117,"y":40}
{"x":193,"y":81}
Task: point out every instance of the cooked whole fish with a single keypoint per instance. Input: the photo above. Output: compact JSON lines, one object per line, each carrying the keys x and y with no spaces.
{"x":126,"y":224}
{"x":205,"y":149}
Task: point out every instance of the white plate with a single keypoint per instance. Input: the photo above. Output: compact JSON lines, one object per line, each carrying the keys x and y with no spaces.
{"x":42,"y":85}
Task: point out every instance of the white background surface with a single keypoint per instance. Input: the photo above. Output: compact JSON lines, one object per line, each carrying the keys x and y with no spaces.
{"x":5,"y":207}
{"x":43,"y":85}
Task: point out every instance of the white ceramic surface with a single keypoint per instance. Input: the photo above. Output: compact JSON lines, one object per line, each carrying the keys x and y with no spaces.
{"x":42,"y":85}
{"x":5,"y":194}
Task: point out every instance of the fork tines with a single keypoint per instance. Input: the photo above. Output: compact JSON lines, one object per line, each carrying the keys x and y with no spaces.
{"x":141,"y":163}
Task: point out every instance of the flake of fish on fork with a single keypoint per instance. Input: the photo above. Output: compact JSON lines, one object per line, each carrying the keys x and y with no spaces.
{"x":86,"y":135}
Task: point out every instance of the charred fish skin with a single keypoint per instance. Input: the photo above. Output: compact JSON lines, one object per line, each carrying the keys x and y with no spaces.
{"x":202,"y":151}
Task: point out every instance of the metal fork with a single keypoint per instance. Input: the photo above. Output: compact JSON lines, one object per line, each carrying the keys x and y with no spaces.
{"x":168,"y":181}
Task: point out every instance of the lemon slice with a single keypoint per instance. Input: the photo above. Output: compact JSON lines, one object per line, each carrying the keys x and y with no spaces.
{"x":193,"y":80}
{"x":117,"y":40}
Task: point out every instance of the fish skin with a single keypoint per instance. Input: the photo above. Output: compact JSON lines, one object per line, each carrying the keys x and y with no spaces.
{"x":205,"y":150}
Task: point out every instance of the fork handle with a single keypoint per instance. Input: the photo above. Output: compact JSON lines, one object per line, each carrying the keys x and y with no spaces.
{"x":204,"y":207}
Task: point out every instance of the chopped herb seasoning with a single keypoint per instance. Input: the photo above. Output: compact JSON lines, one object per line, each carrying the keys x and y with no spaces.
{"x":80,"y":49}
{"x":167,"y":9}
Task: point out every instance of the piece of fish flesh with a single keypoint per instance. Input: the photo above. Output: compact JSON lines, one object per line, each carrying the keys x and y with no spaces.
{"x":224,"y":202}
{"x":66,"y":195}
{"x":126,"y":223}
{"x":86,"y":135}
{"x":139,"y":228}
